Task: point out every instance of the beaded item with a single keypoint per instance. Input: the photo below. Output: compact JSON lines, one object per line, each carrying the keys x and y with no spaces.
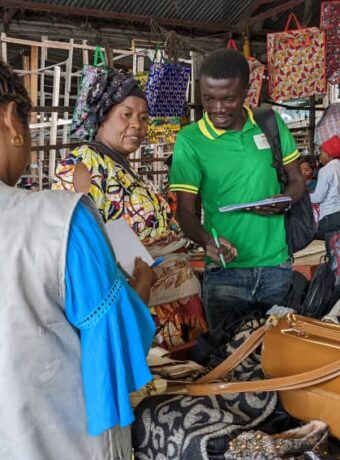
{"x":256,"y":445}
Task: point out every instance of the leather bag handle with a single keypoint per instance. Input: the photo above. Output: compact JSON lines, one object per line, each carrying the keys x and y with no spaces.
{"x":292,"y":382}
{"x":243,"y":351}
{"x":204,"y":387}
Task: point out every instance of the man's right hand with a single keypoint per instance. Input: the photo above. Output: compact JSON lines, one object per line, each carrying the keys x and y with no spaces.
{"x":227,"y":249}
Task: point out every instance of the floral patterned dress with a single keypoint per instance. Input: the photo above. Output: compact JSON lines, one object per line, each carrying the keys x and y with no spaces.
{"x":117,"y":193}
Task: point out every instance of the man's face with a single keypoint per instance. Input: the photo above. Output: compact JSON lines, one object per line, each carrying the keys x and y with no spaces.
{"x":223,"y":99}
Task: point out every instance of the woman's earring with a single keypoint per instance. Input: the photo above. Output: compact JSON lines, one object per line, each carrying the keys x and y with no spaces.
{"x":17,"y":141}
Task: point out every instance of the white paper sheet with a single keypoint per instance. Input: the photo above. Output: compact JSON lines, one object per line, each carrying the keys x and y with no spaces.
{"x":126,"y":245}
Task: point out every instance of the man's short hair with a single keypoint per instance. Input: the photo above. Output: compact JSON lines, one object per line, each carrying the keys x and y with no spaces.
{"x":224,"y":63}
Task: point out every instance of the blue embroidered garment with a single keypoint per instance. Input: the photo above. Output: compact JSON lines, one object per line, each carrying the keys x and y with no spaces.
{"x":116,"y":328}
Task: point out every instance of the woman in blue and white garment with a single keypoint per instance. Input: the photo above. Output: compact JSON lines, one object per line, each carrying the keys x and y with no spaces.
{"x":73,"y":334}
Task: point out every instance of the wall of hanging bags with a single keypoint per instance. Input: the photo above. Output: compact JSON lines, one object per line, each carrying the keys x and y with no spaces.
{"x":296,"y":62}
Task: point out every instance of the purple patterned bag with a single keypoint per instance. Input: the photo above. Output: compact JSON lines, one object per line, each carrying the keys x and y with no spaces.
{"x":90,"y":74}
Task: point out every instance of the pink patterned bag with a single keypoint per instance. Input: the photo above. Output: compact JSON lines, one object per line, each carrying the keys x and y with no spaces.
{"x":255,"y":79}
{"x":296,"y":62}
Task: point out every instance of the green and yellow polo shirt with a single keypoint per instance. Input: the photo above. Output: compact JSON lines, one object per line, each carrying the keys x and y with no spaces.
{"x":233,"y":167}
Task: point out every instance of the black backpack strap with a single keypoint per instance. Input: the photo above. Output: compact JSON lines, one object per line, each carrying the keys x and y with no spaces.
{"x":265,"y":118}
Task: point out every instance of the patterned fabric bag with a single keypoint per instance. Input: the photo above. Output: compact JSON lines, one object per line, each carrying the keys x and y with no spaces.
{"x":255,"y":78}
{"x":296,"y":62}
{"x":329,"y":22}
{"x":163,"y":130}
{"x":90,"y":74}
{"x":166,"y":89}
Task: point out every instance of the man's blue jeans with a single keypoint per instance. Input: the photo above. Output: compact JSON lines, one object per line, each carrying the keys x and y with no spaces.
{"x":229,"y":293}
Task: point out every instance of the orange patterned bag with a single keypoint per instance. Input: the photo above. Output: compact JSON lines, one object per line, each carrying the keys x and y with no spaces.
{"x":296,"y":62}
{"x":255,"y":78}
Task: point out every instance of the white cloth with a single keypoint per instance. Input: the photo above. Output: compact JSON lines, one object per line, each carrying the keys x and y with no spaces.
{"x":42,"y":414}
{"x":327,"y":191}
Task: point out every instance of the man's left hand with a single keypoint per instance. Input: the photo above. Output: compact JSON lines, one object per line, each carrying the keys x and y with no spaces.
{"x":271,"y":209}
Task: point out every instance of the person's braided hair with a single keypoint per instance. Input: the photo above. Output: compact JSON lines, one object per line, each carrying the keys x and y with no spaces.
{"x":12,"y":89}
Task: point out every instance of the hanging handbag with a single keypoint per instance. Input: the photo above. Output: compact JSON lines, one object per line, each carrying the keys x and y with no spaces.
{"x":296,"y":62}
{"x":256,"y":72}
{"x":166,"y":89}
{"x":90,"y":74}
{"x":301,"y":357}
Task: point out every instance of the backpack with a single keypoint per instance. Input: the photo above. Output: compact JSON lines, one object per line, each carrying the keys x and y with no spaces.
{"x":297,"y":291}
{"x":299,"y":220}
{"x":319,"y":299}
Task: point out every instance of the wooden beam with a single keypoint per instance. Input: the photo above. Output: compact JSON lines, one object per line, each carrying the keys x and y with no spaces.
{"x":277,"y":9}
{"x":253,"y":7}
{"x":26,"y":67}
{"x":87,"y":12}
{"x":34,"y":98}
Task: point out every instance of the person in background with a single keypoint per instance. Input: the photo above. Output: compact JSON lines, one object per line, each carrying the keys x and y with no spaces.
{"x":226,"y":158}
{"x":307,"y":172}
{"x":73,"y":334}
{"x":327,"y":191}
{"x":327,"y":196}
{"x":116,"y":119}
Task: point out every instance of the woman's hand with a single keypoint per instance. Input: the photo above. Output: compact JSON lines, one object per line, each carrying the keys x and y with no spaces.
{"x":143,"y":279}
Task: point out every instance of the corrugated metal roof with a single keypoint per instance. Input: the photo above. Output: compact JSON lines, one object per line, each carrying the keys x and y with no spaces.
{"x":229,"y":12}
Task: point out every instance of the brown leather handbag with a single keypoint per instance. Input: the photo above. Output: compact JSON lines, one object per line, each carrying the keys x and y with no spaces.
{"x":301,"y":358}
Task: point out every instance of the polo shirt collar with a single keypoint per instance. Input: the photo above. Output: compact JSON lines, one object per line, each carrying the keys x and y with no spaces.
{"x":208,"y":129}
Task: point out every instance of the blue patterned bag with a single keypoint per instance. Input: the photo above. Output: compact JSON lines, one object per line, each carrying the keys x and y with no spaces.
{"x":166,"y":89}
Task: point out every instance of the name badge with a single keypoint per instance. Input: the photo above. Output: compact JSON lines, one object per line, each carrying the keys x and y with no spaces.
{"x":261,"y":142}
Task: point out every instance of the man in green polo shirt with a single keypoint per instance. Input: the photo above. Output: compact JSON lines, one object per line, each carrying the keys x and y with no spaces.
{"x":226,"y":158}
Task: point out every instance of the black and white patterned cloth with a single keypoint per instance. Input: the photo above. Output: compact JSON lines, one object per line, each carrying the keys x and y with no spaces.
{"x":184,"y":427}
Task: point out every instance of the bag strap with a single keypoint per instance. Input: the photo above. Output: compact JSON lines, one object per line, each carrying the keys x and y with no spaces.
{"x":294,"y":44}
{"x":232,"y":44}
{"x":291,"y":382}
{"x":99,"y":57}
{"x":202,"y":387}
{"x":243,"y":351}
{"x":289,"y":20}
{"x":266,"y":119}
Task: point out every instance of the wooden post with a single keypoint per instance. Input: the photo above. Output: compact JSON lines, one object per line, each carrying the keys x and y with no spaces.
{"x":311,"y":124}
{"x":68,"y":80}
{"x":3,"y":47}
{"x":26,"y":67}
{"x":246,"y":45}
{"x":54,"y":121}
{"x":34,"y":98}
{"x":85,"y":53}
{"x":43,"y":57}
